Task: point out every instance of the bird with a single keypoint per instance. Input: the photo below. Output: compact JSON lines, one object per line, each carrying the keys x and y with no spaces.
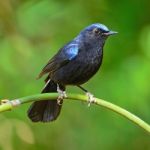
{"x":74,"y":64}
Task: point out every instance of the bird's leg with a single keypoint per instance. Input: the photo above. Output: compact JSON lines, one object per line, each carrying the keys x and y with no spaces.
{"x":91,"y":98}
{"x":62,"y":94}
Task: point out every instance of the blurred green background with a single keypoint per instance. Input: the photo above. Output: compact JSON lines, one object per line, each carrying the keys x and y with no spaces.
{"x":31,"y":31}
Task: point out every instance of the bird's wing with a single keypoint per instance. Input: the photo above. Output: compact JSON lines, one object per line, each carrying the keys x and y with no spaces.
{"x":64,"y":56}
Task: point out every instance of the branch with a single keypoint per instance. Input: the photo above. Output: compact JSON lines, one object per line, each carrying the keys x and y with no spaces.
{"x":10,"y":104}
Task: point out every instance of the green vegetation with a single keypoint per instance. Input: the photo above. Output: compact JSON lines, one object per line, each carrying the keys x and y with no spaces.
{"x":32,"y":31}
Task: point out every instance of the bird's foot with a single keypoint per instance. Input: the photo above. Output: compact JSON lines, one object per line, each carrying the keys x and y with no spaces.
{"x":91,"y":98}
{"x":62,"y":95}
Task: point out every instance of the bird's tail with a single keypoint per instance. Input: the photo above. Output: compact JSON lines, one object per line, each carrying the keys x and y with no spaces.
{"x":45,"y":110}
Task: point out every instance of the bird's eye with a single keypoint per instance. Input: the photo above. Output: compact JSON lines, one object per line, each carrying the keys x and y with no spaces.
{"x":96,"y":31}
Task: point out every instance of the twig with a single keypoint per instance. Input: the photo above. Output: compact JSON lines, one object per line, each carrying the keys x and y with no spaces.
{"x":10,"y":104}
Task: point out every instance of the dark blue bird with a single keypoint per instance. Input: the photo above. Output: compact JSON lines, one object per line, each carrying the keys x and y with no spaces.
{"x":74,"y":64}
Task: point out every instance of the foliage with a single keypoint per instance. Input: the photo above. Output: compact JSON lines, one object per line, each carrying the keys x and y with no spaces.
{"x":32,"y":31}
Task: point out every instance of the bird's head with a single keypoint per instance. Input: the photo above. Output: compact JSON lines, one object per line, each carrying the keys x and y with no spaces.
{"x":96,"y":32}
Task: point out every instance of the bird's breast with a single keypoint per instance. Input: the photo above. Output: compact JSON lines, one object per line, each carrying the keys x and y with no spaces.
{"x":80,"y":69}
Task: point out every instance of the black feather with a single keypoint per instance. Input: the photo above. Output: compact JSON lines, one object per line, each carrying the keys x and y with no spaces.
{"x":74,"y":64}
{"x":45,"y":110}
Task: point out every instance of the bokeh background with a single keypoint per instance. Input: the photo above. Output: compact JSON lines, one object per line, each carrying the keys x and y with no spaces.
{"x":31,"y":31}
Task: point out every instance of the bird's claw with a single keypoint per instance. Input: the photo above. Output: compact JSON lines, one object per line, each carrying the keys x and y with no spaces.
{"x":91,"y":98}
{"x":62,"y":95}
{"x":60,"y":98}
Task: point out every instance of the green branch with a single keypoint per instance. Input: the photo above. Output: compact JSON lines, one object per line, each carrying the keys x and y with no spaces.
{"x":10,"y":104}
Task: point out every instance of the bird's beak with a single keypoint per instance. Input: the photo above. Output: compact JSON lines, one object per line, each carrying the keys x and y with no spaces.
{"x":110,"y":33}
